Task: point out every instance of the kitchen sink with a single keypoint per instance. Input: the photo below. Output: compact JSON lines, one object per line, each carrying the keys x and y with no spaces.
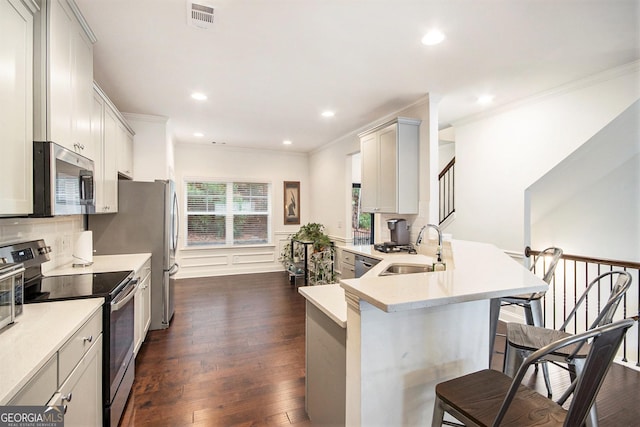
{"x":406,"y":269}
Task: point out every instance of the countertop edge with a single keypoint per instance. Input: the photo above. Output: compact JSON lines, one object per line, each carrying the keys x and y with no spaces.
{"x":327,"y":300}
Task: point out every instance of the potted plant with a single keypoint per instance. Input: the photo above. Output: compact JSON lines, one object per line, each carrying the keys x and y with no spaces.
{"x":320,"y":260}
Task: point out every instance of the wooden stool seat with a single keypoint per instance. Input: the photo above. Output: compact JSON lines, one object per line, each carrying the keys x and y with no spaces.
{"x":531,"y":338}
{"x":471,"y":396}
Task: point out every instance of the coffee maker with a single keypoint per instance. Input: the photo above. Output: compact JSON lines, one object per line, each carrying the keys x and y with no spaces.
{"x":399,"y":231}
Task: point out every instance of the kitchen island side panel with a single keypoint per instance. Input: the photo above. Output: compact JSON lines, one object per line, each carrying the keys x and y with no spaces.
{"x":401,"y":356}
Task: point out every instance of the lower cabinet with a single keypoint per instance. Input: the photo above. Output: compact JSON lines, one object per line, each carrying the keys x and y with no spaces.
{"x":81,"y":393}
{"x":347,"y":265}
{"x":72,"y":377}
{"x":142,"y":305}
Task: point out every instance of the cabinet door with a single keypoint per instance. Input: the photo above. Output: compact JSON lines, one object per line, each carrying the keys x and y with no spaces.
{"x":125,"y":152}
{"x":16,"y":105}
{"x":369,"y":177}
{"x":387,"y":172}
{"x":97,"y":126}
{"x":82,"y":83}
{"x":60,"y":102}
{"x":109,"y":161}
{"x":81,"y":393}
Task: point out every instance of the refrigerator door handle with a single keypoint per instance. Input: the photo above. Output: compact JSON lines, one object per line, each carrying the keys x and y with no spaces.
{"x":176,"y":225}
{"x":173,"y":270}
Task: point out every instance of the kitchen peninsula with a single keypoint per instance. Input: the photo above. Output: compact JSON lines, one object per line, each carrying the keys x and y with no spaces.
{"x":407,"y":332}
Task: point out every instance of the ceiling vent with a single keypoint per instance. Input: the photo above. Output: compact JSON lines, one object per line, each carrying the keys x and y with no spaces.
{"x":199,"y":14}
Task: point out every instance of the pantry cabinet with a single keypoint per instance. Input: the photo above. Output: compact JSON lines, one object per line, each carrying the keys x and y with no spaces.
{"x":16,"y":105}
{"x":63,"y":73}
{"x":390,"y":167}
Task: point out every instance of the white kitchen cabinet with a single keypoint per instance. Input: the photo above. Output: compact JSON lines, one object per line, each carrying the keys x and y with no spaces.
{"x":109,"y":132}
{"x":347,"y":264}
{"x":63,"y":73}
{"x":72,"y":377}
{"x":390,"y":167}
{"x":40,"y":387}
{"x":142,"y":305}
{"x":81,"y":392}
{"x":125,"y":152}
{"x":16,"y":105}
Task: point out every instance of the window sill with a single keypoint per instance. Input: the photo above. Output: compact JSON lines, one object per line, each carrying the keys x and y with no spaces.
{"x":225,"y":247}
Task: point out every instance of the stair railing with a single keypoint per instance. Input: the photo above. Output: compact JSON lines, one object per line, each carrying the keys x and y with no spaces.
{"x":572,"y":275}
{"x":446,"y":184}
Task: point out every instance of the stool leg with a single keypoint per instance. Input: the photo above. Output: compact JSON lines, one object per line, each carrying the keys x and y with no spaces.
{"x":513,"y":358}
{"x":592,"y":418}
{"x":438,"y":413}
{"x":533,"y":311}
{"x":494,"y":315}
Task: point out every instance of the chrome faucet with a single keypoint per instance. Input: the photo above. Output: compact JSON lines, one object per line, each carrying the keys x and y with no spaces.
{"x":419,"y":239}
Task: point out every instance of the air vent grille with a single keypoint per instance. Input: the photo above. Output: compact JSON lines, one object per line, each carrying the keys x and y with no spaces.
{"x":200,"y":15}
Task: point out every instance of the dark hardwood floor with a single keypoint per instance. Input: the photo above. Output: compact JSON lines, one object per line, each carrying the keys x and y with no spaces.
{"x":234,"y":356}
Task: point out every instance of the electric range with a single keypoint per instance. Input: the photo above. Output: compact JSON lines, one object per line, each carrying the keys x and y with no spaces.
{"x":118,"y":290}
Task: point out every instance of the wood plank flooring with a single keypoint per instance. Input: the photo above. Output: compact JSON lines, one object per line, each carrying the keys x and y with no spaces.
{"x":234,"y":356}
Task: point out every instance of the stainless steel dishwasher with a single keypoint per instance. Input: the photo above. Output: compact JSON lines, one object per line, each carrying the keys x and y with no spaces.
{"x":364,"y":264}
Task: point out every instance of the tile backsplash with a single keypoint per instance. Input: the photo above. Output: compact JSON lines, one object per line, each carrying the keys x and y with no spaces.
{"x":58,"y":232}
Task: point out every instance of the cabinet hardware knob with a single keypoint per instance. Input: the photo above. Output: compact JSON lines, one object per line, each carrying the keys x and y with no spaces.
{"x":64,"y":408}
{"x":67,"y":398}
{"x":88,"y":339}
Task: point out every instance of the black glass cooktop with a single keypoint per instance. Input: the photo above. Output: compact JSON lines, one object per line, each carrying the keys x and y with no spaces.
{"x":75,"y":286}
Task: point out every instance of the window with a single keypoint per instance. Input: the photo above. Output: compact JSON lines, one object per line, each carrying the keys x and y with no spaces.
{"x":361,"y":222}
{"x":228,"y":213}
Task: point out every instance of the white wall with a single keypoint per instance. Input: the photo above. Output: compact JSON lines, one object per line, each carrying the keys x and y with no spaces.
{"x":219,"y":162}
{"x":60,"y":233}
{"x":499,"y":155}
{"x":153,"y":152}
{"x":331,"y":176}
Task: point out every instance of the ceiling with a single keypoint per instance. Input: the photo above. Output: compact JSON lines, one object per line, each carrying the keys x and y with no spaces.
{"x":270,"y":68}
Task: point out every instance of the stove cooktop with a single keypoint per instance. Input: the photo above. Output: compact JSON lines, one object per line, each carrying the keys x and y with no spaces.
{"x":50,"y":288}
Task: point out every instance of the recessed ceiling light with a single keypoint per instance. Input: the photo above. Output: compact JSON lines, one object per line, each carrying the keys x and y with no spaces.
{"x":286,"y":142}
{"x":198,"y":134}
{"x":433,"y":37}
{"x":199,"y":96}
{"x":328,"y":114}
{"x":485,"y":99}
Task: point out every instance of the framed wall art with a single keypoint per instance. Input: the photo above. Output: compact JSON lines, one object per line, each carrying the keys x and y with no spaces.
{"x":291,"y":202}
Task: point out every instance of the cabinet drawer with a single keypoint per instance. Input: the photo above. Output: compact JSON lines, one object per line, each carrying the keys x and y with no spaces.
{"x":347,"y":271}
{"x":73,"y":350}
{"x":348,"y":258}
{"x":40,"y":387}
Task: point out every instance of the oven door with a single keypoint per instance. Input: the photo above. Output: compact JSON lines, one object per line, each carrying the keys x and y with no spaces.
{"x":121,"y":339}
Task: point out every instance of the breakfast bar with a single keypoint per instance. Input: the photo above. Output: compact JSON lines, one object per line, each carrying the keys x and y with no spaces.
{"x":408,"y":332}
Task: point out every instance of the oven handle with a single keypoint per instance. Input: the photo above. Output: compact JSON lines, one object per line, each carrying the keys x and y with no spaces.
{"x":12,"y":273}
{"x":122,"y":299}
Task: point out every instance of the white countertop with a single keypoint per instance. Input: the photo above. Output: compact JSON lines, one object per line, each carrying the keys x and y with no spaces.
{"x":480,"y":271}
{"x":104,"y":263}
{"x":36,"y":335}
{"x":329,"y":299}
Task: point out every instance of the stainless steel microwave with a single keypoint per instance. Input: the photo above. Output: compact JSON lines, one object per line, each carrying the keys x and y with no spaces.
{"x":62,"y":181}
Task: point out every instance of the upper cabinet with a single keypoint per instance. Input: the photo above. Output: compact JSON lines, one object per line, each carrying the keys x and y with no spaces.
{"x":63,"y":73}
{"x":111,"y":136}
{"x":16,"y":106}
{"x":390,"y":167}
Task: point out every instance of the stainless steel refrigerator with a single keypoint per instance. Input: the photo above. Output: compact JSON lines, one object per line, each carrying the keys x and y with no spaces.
{"x":147,"y":221}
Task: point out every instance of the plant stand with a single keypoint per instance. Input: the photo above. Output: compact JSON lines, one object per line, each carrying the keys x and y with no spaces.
{"x":316,"y":268}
